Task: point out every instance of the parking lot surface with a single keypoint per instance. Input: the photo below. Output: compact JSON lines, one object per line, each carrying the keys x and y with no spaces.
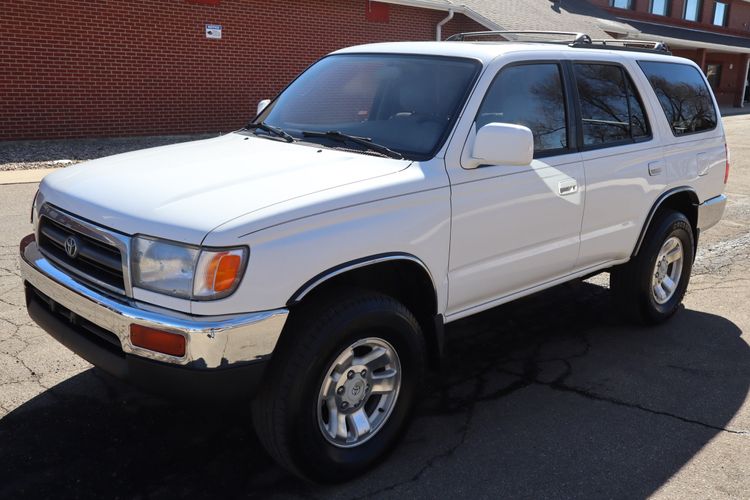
{"x":551,"y":396}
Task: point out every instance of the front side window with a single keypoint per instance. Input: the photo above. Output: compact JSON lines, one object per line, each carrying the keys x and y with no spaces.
{"x":659,"y":7}
{"x":720,"y":13}
{"x":683,"y":95}
{"x":693,"y":10}
{"x":611,"y":111}
{"x":530,"y":95}
{"x":406,"y":103}
{"x":622,"y":4}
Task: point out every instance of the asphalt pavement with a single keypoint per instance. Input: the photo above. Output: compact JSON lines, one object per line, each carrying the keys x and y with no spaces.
{"x":551,"y":396}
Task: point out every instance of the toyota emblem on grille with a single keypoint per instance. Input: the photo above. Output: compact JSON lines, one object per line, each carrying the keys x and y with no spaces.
{"x":71,"y":247}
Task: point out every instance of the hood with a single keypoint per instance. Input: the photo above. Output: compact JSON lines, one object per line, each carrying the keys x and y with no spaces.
{"x":183,"y":191}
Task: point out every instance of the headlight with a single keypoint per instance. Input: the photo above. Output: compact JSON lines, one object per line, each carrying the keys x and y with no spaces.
{"x":186,"y":271}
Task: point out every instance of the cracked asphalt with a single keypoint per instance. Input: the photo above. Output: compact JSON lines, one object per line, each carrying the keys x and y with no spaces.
{"x":549,"y":397}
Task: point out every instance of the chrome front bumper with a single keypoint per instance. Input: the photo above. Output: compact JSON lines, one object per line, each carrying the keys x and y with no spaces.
{"x":211,"y":342}
{"x":711,"y":211}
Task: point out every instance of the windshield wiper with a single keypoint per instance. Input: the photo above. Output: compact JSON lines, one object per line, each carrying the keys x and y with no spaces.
{"x":362,"y":141}
{"x":271,"y":130}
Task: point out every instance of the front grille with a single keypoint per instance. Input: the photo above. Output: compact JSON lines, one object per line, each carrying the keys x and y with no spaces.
{"x":95,"y":259}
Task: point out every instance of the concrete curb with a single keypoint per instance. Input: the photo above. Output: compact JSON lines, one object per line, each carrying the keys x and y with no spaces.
{"x":24,"y":176}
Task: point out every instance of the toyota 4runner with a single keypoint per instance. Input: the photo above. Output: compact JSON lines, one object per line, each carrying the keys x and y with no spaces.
{"x":310,"y":261}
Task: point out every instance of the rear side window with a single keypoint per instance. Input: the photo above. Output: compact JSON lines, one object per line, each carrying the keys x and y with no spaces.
{"x":530,"y":95}
{"x":611,"y":110}
{"x":683,"y":95}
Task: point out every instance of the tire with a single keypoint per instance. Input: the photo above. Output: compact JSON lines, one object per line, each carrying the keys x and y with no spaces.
{"x":291,"y":412}
{"x":635,"y":285}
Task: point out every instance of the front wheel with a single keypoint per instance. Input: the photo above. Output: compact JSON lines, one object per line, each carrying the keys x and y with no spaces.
{"x":341,"y":388}
{"x":650,"y":287}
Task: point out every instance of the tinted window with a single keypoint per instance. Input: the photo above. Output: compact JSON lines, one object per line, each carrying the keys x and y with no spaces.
{"x":407,"y":103}
{"x":611,"y":112}
{"x":639,"y":127}
{"x":683,"y":96}
{"x":530,"y":95}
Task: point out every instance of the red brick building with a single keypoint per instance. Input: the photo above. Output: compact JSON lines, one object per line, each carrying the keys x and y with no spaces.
{"x":73,"y":68}
{"x":714,"y":34}
{"x":87,"y":68}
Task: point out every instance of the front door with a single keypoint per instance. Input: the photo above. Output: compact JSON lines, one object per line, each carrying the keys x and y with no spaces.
{"x":516,"y":227}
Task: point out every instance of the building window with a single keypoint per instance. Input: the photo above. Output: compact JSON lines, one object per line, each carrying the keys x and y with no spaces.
{"x":720,"y":13}
{"x":621,"y":4}
{"x":693,"y":10}
{"x":659,"y":7}
{"x":713,"y":75}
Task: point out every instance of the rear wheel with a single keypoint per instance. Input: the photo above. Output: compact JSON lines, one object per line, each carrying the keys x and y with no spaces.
{"x":650,"y":287}
{"x":341,"y":387}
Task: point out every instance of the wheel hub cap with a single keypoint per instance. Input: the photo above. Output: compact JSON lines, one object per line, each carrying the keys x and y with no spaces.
{"x":358,"y":392}
{"x":667,"y":270}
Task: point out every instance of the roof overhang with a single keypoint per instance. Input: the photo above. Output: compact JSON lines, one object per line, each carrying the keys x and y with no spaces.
{"x":448,"y":7}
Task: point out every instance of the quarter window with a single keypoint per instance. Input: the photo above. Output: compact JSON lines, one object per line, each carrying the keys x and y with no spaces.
{"x":530,"y":95}
{"x":683,"y":95}
{"x":611,"y":111}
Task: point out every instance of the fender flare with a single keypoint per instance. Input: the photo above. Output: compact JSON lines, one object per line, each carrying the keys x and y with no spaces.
{"x":326,"y":275}
{"x":661,"y":199}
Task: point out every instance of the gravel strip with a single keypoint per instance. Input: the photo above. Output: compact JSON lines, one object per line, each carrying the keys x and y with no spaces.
{"x":26,"y":155}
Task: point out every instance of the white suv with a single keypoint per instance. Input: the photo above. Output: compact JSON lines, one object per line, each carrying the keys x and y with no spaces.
{"x":311,"y":260}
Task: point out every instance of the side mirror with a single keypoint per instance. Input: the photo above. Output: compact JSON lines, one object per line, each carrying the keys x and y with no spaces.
{"x":262,"y":105}
{"x":502,"y":144}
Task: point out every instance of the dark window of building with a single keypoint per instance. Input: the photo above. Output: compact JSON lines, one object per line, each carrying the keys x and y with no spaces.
{"x":621,"y":4}
{"x":659,"y":7}
{"x":683,"y":95}
{"x":610,"y":111}
{"x":539,"y":103}
{"x":713,"y":75}
{"x":720,"y":13}
{"x":693,"y":10}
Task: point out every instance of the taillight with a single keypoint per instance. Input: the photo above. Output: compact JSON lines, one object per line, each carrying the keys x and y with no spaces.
{"x":726,"y":169}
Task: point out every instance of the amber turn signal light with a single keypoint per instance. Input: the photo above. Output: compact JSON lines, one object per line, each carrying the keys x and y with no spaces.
{"x":157,"y":340}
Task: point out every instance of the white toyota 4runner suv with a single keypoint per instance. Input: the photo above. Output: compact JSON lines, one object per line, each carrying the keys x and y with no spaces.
{"x":311,"y":260}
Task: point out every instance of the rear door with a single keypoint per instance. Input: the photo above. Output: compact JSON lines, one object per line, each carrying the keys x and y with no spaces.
{"x":622,"y":159}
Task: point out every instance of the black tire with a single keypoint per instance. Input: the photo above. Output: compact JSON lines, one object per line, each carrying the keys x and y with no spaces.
{"x":285,"y":409}
{"x":631,"y":283}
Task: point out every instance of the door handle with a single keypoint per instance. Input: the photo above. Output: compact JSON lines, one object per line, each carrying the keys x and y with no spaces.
{"x":567,"y":187}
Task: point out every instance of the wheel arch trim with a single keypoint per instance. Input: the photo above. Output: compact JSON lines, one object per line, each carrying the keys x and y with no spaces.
{"x":340,"y":269}
{"x":655,"y":207}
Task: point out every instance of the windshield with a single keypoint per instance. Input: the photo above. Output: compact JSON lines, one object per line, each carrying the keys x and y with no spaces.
{"x":406,"y":103}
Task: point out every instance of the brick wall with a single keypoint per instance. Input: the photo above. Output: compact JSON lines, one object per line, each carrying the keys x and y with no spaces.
{"x":74,"y":68}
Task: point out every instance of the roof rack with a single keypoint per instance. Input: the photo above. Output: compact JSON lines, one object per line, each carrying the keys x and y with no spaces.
{"x":627,"y":44}
{"x":577,"y":37}
{"x":578,"y":40}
